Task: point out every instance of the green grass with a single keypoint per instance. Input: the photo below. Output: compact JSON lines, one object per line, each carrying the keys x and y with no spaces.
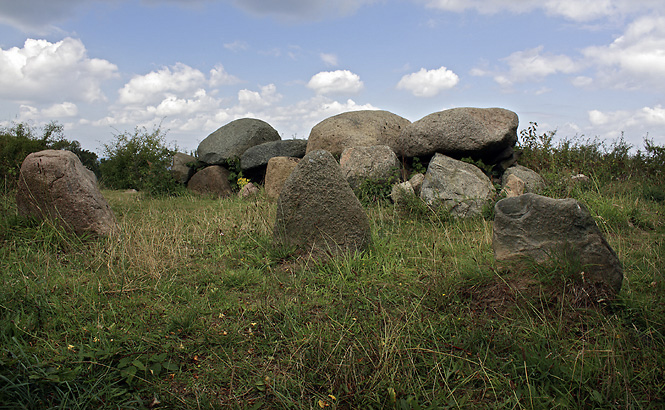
{"x":190,"y":306}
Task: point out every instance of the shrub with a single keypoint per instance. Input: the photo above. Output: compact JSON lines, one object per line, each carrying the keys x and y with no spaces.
{"x":141,"y":161}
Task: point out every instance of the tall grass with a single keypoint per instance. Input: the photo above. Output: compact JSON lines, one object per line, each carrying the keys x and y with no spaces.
{"x":191,"y":306}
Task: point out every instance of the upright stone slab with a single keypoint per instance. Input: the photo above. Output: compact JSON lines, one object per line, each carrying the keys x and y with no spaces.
{"x":460,"y":187}
{"x":55,"y":185}
{"x":233,"y":139}
{"x":180,"y":170}
{"x":317,"y":210}
{"x":535,"y":228}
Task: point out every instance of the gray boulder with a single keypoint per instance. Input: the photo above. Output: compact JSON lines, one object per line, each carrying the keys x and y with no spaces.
{"x":233,"y":139}
{"x":377,"y":163}
{"x":55,"y":185}
{"x":357,"y":129}
{"x":533,"y":182}
{"x":317,"y":210}
{"x":277,"y":171}
{"x":212,"y":181}
{"x":532,"y":228}
{"x":180,"y":171}
{"x":460,"y":187}
{"x":259,"y":155}
{"x":488,"y":134}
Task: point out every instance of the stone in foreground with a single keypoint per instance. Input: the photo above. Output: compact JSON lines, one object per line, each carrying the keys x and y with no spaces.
{"x":534,"y":228}
{"x":317,"y":210}
{"x":55,"y":185}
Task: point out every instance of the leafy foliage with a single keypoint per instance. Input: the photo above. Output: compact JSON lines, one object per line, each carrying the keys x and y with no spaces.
{"x":141,"y":161}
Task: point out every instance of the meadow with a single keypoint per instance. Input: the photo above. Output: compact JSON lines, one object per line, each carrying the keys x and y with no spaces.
{"x":191,"y":306}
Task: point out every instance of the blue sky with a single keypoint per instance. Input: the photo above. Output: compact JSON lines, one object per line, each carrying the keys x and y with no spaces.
{"x":583,"y":67}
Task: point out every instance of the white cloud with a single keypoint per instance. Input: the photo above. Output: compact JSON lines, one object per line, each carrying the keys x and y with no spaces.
{"x":576,"y":10}
{"x":47,"y":72}
{"x":329,"y":59}
{"x":428,"y":83}
{"x":236,"y":46}
{"x":335,"y":82}
{"x":635,"y":123}
{"x":219,"y":76}
{"x":156,"y":85}
{"x":634,"y":60}
{"x":65,"y":109}
{"x":534,"y":65}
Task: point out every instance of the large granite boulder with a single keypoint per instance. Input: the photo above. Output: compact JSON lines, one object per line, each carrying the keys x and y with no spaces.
{"x":357,"y":129}
{"x":488,"y":134}
{"x":462,"y":188}
{"x":533,"y":182}
{"x":533,"y":228}
{"x":317,"y":210}
{"x":181,"y":168}
{"x":233,"y":139}
{"x":211,"y":181}
{"x":55,"y":185}
{"x":377,"y":164}
{"x":277,"y":171}
{"x":259,"y":155}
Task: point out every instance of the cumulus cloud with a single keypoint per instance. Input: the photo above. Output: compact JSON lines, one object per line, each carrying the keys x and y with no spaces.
{"x":335,"y":82}
{"x":48,"y":72}
{"x":428,"y":83}
{"x":636,"y":59}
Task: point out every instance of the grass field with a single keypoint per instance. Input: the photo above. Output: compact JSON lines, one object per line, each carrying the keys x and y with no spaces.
{"x":190,"y":306}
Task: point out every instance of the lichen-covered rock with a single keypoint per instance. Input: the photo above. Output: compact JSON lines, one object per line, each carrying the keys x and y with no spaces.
{"x":317,"y":210}
{"x":55,"y":185}
{"x":233,"y":139}
{"x":486,"y":134}
{"x":357,"y":129}
{"x":180,"y":168}
{"x":460,"y":187}
{"x":376,"y":163}
{"x":533,"y":228}
{"x":533,"y":182}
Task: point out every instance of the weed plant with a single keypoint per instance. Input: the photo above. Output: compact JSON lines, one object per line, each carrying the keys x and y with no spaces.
{"x":191,"y":306}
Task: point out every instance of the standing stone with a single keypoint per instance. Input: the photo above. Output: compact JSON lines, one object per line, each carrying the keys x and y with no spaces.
{"x":460,"y":187}
{"x":233,"y":139}
{"x":377,"y":163}
{"x":488,"y":134}
{"x":259,"y":155}
{"x":278,"y":170}
{"x":212,"y":181}
{"x":357,"y":129}
{"x":317,"y":210}
{"x":180,"y":171}
{"x":535,"y":228}
{"x":55,"y":185}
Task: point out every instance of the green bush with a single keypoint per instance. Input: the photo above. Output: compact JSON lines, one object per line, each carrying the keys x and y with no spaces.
{"x":141,"y":161}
